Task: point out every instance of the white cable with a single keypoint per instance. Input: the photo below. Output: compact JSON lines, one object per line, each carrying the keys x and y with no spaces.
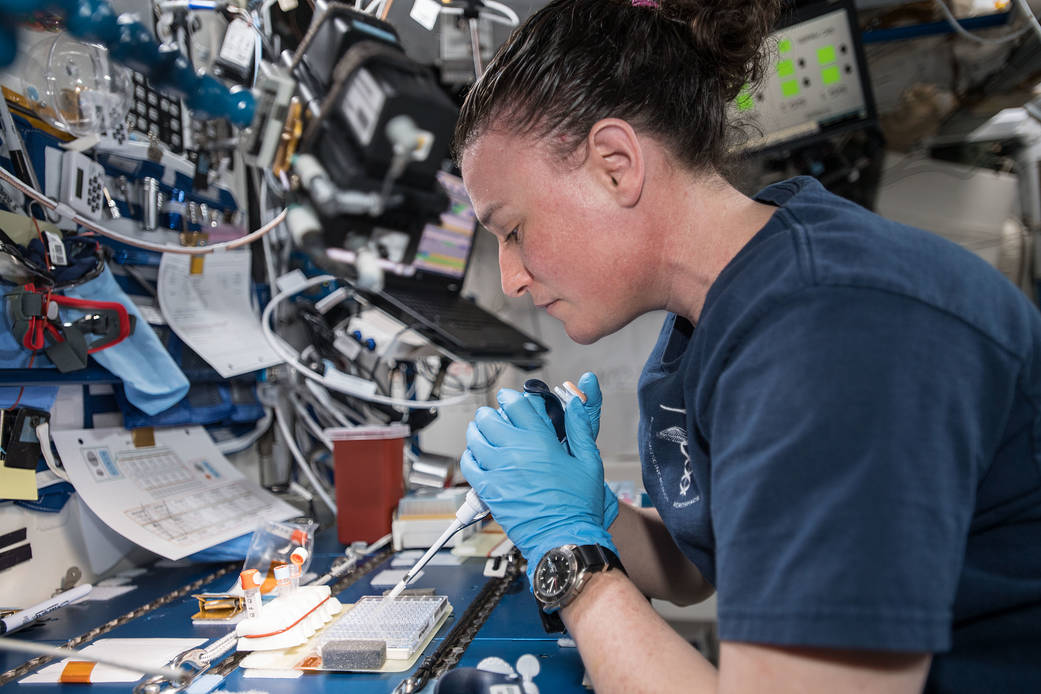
{"x":384,"y":357}
{"x":287,"y":353}
{"x":505,"y":14}
{"x":220,"y":646}
{"x":241,"y":443}
{"x":43,"y":435}
{"x":960,"y":30}
{"x":300,"y":490}
{"x":484,"y":15}
{"x":1025,"y":9}
{"x":309,"y":423}
{"x":269,"y":260}
{"x":67,"y":212}
{"x":378,"y":544}
{"x":505,"y":10}
{"x":321,"y":394}
{"x":258,"y":51}
{"x":319,"y":488}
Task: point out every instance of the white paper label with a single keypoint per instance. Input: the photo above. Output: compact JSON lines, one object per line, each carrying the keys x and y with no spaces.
{"x":55,"y":248}
{"x":425,"y":12}
{"x":238,"y":44}
{"x":364,"y":102}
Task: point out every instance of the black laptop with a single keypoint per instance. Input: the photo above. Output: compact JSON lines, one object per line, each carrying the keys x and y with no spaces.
{"x":425,"y":295}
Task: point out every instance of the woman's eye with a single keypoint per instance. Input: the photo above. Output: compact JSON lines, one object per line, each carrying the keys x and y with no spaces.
{"x":512,"y":236}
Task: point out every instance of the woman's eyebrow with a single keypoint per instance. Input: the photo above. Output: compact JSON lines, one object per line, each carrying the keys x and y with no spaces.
{"x":486,"y":218}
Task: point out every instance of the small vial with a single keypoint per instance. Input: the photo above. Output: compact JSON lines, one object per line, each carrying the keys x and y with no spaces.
{"x":568,"y":392}
{"x":284,"y":579}
{"x":296,"y":561}
{"x":250,"y":582}
{"x":150,"y":203}
{"x":174,"y":210}
{"x":573,"y":389}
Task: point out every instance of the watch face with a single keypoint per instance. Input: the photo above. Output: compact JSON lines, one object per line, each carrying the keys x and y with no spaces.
{"x":555,"y":574}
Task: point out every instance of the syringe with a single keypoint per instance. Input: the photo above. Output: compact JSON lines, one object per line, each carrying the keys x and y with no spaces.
{"x":473,"y":509}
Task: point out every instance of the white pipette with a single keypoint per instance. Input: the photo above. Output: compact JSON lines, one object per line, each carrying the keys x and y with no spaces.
{"x":473,"y":509}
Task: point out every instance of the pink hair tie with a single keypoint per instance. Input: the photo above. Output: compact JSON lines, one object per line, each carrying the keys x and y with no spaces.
{"x":645,"y":3}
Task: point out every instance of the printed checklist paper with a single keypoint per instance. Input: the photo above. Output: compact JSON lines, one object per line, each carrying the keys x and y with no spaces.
{"x":211,"y":311}
{"x":174,"y":498}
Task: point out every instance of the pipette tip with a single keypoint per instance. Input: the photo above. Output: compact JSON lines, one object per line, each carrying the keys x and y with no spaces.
{"x":395,"y":591}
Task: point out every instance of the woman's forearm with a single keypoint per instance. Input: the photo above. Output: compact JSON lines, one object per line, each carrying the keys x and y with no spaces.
{"x":654,"y":563}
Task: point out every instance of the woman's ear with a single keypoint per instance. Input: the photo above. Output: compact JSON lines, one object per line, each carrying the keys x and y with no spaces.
{"x":616,"y":158}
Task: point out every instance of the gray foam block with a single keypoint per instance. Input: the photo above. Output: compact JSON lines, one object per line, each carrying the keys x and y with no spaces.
{"x":354,"y":654}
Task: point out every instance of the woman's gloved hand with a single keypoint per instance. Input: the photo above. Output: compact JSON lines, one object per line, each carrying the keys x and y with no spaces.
{"x":542,"y":495}
{"x":590,"y":386}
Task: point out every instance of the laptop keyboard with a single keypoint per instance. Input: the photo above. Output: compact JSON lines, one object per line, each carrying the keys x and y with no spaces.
{"x":467,"y":324}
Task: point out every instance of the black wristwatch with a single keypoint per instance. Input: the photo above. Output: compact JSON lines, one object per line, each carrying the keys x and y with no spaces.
{"x":563,"y":572}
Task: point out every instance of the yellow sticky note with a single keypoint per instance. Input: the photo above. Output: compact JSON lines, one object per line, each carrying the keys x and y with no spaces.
{"x":18,"y":484}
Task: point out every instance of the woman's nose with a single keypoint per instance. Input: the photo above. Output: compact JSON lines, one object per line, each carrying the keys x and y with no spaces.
{"x":514,"y":276}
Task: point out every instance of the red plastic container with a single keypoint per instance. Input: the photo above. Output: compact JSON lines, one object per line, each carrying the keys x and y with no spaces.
{"x":369,"y":469}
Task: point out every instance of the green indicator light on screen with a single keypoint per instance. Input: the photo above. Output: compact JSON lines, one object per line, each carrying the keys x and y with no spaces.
{"x":786,"y":68}
{"x":789,"y":88}
{"x":831,"y":75}
{"x":784,"y":45}
{"x":826,"y":54}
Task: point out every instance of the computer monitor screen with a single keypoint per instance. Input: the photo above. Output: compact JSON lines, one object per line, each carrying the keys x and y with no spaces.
{"x":444,"y":247}
{"x":817,"y":83}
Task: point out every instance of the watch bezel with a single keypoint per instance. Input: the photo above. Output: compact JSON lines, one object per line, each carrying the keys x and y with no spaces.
{"x":560,"y":597}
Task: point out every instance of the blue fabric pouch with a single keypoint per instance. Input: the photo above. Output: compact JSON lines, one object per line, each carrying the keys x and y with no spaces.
{"x":152,"y":380}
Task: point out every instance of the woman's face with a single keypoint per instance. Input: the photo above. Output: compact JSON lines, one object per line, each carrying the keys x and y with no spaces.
{"x":562,"y":238}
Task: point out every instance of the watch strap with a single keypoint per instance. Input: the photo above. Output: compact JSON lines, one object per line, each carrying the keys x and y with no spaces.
{"x":552,"y":622}
{"x":599,"y":558}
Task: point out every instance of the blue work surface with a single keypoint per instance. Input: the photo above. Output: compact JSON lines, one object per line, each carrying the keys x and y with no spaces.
{"x":512,"y":629}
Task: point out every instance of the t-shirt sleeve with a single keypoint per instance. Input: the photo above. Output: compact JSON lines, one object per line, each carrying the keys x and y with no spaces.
{"x":848,"y":429}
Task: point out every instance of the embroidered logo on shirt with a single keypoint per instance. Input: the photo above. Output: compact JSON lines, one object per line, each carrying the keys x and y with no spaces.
{"x":675,"y":434}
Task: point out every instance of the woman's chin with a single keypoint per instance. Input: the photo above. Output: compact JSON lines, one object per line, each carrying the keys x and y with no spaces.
{"x":583,"y":334}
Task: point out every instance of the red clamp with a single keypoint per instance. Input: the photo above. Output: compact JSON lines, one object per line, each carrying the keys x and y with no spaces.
{"x":36,"y":318}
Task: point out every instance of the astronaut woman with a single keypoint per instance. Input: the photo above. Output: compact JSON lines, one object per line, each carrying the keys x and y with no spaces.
{"x":839,"y":423}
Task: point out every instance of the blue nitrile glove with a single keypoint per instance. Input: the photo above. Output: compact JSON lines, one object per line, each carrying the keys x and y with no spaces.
{"x":541,"y":495}
{"x":590,"y":386}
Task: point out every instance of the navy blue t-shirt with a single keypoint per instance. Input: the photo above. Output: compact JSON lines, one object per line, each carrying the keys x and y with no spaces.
{"x":847,"y":444}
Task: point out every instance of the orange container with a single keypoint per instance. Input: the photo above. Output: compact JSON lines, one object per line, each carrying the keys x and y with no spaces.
{"x":369,"y":477}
